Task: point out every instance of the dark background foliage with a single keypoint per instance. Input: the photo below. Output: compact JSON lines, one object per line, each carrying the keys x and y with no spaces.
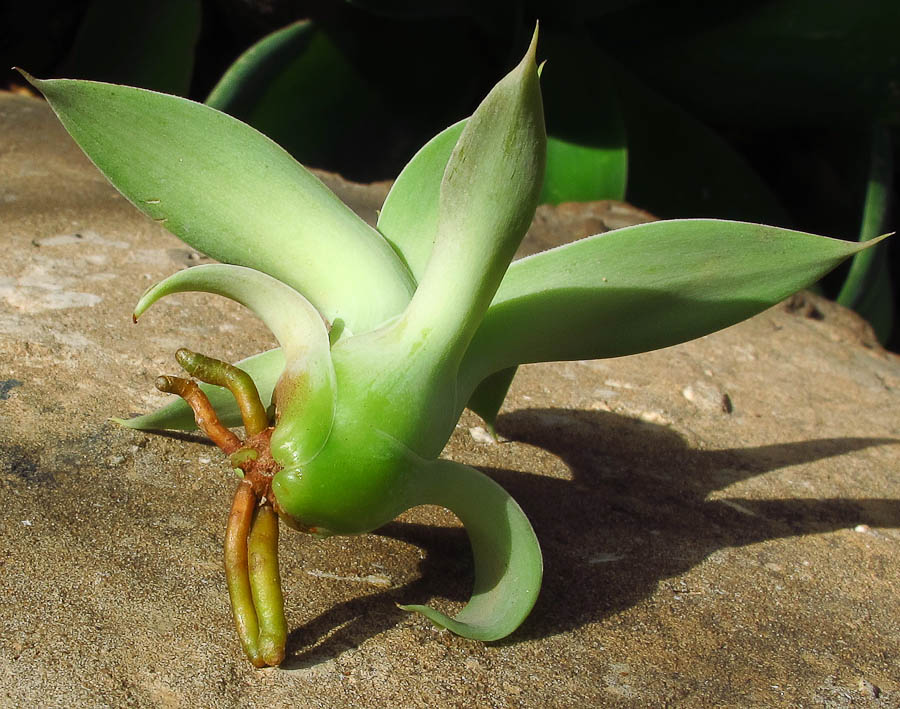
{"x":781,"y":112}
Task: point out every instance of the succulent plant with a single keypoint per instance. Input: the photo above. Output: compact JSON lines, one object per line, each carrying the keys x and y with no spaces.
{"x":387,"y":333}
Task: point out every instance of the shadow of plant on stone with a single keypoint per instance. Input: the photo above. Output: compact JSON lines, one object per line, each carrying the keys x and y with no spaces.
{"x":636,"y":511}
{"x":445,"y":572}
{"x":634,"y":514}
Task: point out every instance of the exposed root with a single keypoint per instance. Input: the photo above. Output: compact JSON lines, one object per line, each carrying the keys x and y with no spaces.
{"x":251,"y":534}
{"x":204,"y":413}
{"x":237,"y":381}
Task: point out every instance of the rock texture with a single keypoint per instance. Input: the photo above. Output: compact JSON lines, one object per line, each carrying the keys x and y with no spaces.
{"x":719,"y":519}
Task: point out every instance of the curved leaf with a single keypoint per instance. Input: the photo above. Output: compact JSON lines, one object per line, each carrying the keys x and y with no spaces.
{"x":508,"y":562}
{"x":233,"y":194}
{"x":296,"y":324}
{"x":303,"y":89}
{"x":306,"y":391}
{"x":642,"y":288}
{"x":264,"y":368}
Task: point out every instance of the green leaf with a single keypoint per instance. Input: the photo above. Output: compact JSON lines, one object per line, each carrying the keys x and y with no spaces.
{"x":867,"y":288}
{"x":877,"y":303}
{"x":508,"y":563}
{"x":578,"y":171}
{"x":299,"y":87}
{"x":233,"y":194}
{"x":487,"y":200}
{"x":488,"y":195}
{"x":245,"y":82}
{"x":306,"y":391}
{"x":409,"y":215}
{"x":146,"y":43}
{"x":264,"y":368}
{"x":642,"y":288}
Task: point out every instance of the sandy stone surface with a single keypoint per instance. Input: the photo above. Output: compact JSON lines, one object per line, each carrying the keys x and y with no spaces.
{"x":720,"y":520}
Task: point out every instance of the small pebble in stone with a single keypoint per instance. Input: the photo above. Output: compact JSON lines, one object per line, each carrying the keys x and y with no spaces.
{"x":656,"y":417}
{"x":868,"y":689}
{"x":727,"y":405}
{"x":480,"y":435}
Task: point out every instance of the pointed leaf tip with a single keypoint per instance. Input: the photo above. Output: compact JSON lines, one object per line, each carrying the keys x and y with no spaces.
{"x":696,"y":276}
{"x":488,"y":193}
{"x":529,"y":59}
{"x":28,"y":77}
{"x":532,"y":47}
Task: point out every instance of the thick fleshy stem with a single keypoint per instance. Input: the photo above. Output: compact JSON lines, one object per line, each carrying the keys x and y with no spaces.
{"x":204,"y":413}
{"x":238,"y":382}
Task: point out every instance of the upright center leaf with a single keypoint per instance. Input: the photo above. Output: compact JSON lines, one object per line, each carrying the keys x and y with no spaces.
{"x":488,"y":196}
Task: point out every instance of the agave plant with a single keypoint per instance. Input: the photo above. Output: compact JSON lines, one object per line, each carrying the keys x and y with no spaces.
{"x":387,"y":334}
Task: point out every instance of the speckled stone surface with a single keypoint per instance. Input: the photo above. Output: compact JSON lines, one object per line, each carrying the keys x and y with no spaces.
{"x":720,"y":520}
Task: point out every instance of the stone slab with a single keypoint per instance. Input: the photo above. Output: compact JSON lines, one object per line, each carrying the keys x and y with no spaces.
{"x":720,"y":520}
